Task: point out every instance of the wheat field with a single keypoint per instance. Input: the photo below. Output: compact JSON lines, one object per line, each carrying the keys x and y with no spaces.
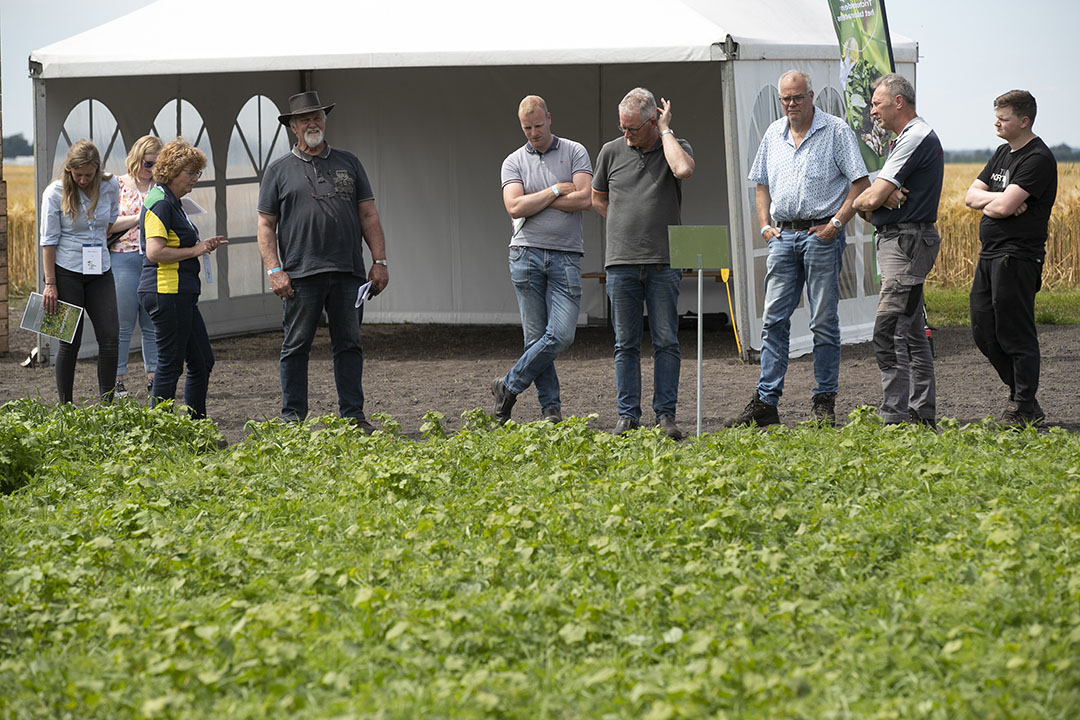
{"x":958,"y":227}
{"x":959,"y":230}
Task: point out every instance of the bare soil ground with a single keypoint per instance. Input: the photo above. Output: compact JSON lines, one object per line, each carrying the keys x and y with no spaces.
{"x":410,"y":369}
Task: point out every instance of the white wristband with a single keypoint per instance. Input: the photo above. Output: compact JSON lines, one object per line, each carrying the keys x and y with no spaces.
{"x":763,"y":229}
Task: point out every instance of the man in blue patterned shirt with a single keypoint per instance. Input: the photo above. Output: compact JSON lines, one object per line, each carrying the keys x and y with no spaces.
{"x":808,"y":171}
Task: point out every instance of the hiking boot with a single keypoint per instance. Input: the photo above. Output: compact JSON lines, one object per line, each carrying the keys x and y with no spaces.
{"x":552,"y":414}
{"x":757,"y":412}
{"x":667,"y":424}
{"x":823,"y":409}
{"x":365,"y":427}
{"x":1016,"y":416}
{"x":504,"y":401}
{"x":625,"y":425}
{"x":915,"y":418}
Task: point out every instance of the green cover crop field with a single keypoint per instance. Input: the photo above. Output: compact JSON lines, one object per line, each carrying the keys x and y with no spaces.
{"x":534,"y":571}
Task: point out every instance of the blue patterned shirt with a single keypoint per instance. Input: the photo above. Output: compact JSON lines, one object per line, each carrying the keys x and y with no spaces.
{"x":811,"y":181}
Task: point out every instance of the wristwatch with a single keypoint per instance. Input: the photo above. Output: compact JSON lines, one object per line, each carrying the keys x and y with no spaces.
{"x":837,"y":224}
{"x":379,"y":262}
{"x":668,"y":131}
{"x":555,"y":189}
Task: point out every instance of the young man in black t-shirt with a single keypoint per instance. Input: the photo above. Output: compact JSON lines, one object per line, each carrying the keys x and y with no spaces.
{"x":1015,"y":192}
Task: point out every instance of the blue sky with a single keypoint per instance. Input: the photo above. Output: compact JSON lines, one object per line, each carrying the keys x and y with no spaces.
{"x":970,"y":52}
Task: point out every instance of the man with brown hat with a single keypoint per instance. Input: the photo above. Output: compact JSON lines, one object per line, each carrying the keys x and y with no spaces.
{"x":316,"y":209}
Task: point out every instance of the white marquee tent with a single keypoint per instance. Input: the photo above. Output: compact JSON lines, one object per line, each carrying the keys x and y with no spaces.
{"x":426,"y":96}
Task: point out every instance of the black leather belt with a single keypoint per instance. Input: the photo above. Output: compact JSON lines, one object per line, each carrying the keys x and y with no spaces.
{"x":803,"y":224}
{"x":897,"y":227}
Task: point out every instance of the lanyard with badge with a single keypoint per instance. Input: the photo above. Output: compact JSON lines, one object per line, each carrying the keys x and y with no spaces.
{"x":93,"y":255}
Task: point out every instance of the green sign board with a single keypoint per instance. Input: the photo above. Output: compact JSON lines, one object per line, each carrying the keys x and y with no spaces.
{"x":686,"y":242}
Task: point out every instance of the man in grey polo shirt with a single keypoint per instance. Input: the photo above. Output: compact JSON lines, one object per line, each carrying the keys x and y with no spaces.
{"x":638,"y":188}
{"x":316,"y":208}
{"x":545,"y":186}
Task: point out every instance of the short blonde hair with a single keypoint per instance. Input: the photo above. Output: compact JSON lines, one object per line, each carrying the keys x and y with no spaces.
{"x":530,"y":103}
{"x":175,"y":157}
{"x":146,"y":145}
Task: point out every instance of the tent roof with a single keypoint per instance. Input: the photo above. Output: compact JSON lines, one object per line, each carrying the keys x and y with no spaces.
{"x":211,"y":36}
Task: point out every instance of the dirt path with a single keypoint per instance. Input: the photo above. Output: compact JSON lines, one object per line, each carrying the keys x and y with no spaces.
{"x":411,"y":369}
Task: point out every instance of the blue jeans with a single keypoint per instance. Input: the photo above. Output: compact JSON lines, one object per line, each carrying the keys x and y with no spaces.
{"x":657,"y":286}
{"x":126,"y":268}
{"x":798,"y":259}
{"x":334,"y":292}
{"x":181,"y":337}
{"x":548,"y":287}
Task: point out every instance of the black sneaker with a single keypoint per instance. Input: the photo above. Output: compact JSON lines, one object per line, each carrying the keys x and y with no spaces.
{"x":552,"y":414}
{"x":757,"y":412}
{"x":625,"y":425}
{"x":823,"y":409}
{"x":504,"y":401}
{"x":119,"y":391}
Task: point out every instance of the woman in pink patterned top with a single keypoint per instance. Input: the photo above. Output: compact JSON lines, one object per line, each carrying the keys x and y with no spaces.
{"x":127,"y":260}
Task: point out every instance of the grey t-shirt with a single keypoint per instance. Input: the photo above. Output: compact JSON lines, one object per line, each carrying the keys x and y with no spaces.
{"x":644,"y":197}
{"x":316,"y":199}
{"x":550,"y":229}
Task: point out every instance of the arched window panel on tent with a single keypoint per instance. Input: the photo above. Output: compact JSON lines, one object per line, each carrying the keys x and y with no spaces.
{"x":179,"y":118}
{"x":766,"y":111}
{"x":257,"y":140}
{"x":829,"y":100}
{"x":91,"y":120}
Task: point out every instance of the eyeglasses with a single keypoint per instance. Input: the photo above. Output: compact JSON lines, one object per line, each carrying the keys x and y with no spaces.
{"x":148,"y":163}
{"x":625,"y":130}
{"x":196,"y":174}
{"x":792,"y":99}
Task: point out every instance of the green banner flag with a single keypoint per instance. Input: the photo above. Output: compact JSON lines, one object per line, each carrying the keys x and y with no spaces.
{"x":865,"y":55}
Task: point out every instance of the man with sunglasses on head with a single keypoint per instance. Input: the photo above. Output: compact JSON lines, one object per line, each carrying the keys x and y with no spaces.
{"x":316,"y":209}
{"x":637,"y":187}
{"x":808,"y":171}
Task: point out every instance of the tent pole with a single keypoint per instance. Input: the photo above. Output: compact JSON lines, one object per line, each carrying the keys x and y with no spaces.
{"x":41,"y":180}
{"x":741,"y":269}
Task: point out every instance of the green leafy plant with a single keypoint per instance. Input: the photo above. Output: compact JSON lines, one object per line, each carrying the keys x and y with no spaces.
{"x":539,"y":570}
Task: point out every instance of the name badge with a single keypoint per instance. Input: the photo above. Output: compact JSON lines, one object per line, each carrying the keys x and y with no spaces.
{"x":92,"y":260}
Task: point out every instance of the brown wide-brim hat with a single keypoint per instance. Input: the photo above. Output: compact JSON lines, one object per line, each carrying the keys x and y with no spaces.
{"x":303,"y":103}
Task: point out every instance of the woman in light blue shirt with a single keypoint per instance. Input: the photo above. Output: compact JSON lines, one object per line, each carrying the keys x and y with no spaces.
{"x":77,"y":215}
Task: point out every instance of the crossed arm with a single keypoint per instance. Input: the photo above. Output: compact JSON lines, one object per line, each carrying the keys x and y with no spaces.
{"x":1011,"y":201}
{"x":573,"y":197}
{"x":880,"y":193}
